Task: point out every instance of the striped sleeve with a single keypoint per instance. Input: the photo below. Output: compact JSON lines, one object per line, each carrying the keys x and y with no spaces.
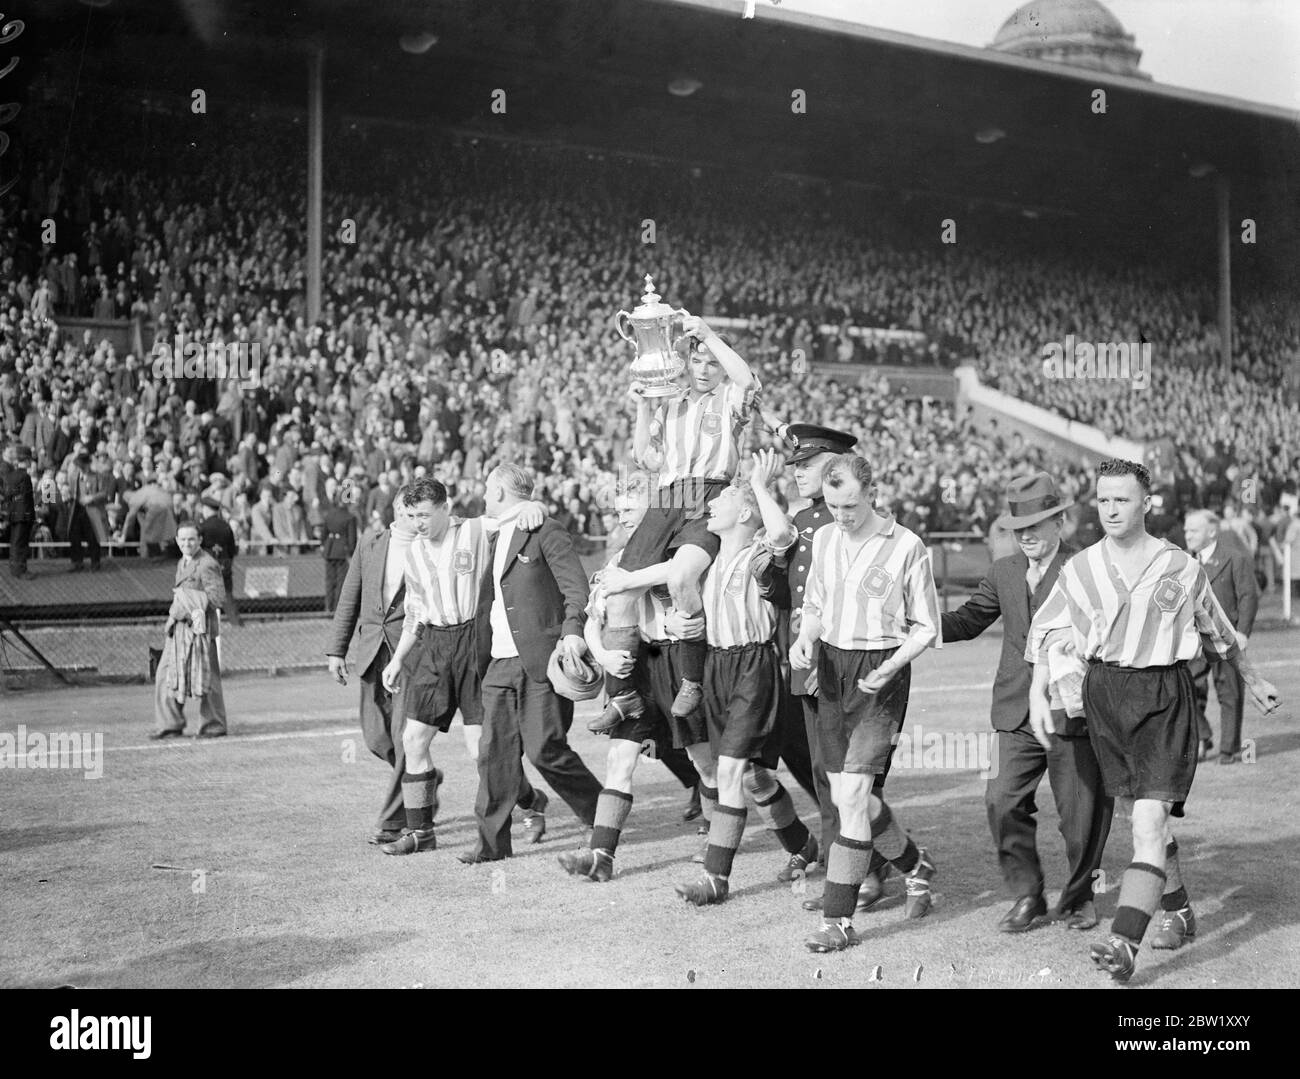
{"x":417,"y":595}
{"x":921,"y":605}
{"x":1218,"y":638}
{"x":1058,"y":611}
{"x":814,"y":591}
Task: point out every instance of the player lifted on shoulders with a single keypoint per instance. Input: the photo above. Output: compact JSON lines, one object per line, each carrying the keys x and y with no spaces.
{"x":657,"y":680}
{"x":693,"y":443}
{"x":1138,"y":608}
{"x":871,"y":602}
{"x":742,"y":678}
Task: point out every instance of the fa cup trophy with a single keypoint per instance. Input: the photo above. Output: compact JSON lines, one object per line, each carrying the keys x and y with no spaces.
{"x":658,"y":365}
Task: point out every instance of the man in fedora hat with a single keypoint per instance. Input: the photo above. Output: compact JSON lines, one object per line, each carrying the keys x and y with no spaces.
{"x":1014,"y":588}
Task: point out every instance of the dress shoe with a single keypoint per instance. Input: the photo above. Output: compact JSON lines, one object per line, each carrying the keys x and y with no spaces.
{"x":706,"y":891}
{"x":1027,"y":910}
{"x":597,"y":865}
{"x":412,"y":841}
{"x":212,"y":734}
{"x":158,"y":736}
{"x":1082,"y":917}
{"x":689,"y":697}
{"x":386,"y":836}
{"x":693,"y":808}
{"x":535,"y":818}
{"x":799,"y":861}
{"x":474,"y":857}
{"x":831,"y":937}
{"x":1117,"y":957}
{"x":1207,"y":744}
{"x":919,"y":897}
{"x":620,"y":708}
{"x":78,"y":568}
{"x":1229,"y":758}
{"x":1176,"y":928}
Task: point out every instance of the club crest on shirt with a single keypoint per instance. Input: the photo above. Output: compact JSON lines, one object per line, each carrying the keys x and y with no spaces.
{"x":1169,"y":594}
{"x":711,"y":424}
{"x":877,"y":581}
{"x":736,"y":582}
{"x":463,"y":561}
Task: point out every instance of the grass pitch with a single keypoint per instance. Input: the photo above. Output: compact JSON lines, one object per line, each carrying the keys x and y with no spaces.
{"x":269,"y":881}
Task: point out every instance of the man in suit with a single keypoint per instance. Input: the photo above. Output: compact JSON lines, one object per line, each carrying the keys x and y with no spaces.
{"x":532,"y":600}
{"x":197,"y":590}
{"x":371,"y":605}
{"x":18,"y":505}
{"x":1232,"y":577}
{"x":80,"y":530}
{"x":1014,"y":588}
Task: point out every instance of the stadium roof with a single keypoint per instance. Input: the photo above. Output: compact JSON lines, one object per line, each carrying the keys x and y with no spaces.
{"x":883,"y":108}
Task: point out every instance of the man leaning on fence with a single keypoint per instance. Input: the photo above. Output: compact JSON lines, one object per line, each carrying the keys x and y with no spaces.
{"x":190,"y":666}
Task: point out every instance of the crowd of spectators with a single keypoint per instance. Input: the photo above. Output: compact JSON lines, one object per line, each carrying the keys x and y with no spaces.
{"x":468,"y":294}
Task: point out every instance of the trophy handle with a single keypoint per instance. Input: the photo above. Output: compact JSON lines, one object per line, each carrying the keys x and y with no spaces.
{"x":618,"y":325}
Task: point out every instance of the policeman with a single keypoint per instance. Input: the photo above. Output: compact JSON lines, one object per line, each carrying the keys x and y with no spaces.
{"x":218,"y":539}
{"x":337,"y":544}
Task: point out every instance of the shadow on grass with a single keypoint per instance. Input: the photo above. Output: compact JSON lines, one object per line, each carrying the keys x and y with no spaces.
{"x":255,"y":962}
{"x":12,"y":839}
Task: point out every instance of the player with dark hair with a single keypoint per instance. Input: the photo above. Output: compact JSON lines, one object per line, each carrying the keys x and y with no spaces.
{"x":444,"y":573}
{"x":871,"y":603}
{"x":694,"y":446}
{"x":1138,"y":609}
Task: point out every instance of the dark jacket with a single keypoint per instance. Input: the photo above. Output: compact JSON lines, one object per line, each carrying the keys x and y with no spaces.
{"x":340,"y":536}
{"x":545,"y":595}
{"x":17,"y":497}
{"x":1004,"y":593}
{"x":1232,"y":576}
{"x":361,"y":608}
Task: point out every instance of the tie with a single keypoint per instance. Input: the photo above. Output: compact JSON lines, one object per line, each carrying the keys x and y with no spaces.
{"x":1034,"y":575}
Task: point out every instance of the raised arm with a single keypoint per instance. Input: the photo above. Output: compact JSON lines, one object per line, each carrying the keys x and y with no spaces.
{"x":736,"y":368}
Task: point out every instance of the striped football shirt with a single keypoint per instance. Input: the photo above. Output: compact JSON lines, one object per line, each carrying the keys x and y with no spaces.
{"x":737,"y":607}
{"x":871,"y":598}
{"x":700,"y":433}
{"x":442,"y":582}
{"x":1169,"y":614}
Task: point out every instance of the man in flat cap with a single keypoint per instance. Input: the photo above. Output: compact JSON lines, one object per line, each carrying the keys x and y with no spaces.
{"x":1014,"y":588}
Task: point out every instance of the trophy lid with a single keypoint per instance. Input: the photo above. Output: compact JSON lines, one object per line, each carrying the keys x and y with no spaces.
{"x":651,"y":305}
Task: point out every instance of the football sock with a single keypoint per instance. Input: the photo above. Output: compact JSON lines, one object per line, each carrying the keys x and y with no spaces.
{"x":619,"y":638}
{"x":890,"y":840}
{"x":1175,"y":897}
{"x":778,"y":815}
{"x":418,"y":798}
{"x":612,"y":808}
{"x":690,"y":657}
{"x":1139,"y":896}
{"x":846,"y":869}
{"x":724,"y":837}
{"x":708,"y":800}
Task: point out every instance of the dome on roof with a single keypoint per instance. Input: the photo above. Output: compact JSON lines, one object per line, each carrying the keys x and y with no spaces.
{"x":1081,"y":33}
